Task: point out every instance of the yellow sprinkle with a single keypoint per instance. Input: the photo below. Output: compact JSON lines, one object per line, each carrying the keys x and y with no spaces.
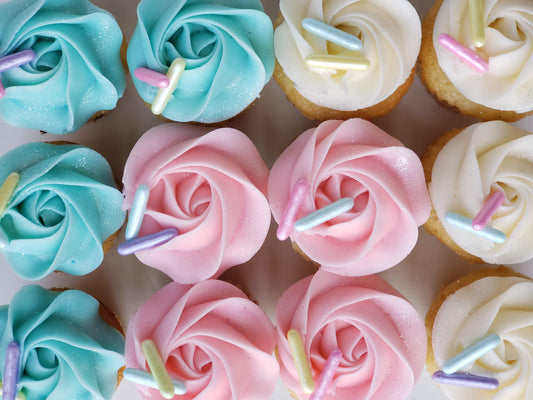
{"x":477,"y":22}
{"x":7,"y":189}
{"x":164,"y":94}
{"x":337,"y":62}
{"x":157,"y":368}
{"x":300,"y":361}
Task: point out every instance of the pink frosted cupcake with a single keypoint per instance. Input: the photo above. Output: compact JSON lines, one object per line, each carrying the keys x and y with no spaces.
{"x":210,"y":186}
{"x":381,"y":337}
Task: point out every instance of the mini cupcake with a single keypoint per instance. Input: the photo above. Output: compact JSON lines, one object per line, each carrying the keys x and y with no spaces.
{"x":385,"y":35}
{"x":60,"y":63}
{"x":69,"y":345}
{"x":491,"y":310}
{"x":476,"y":59}
{"x":222,"y":49}
{"x":467,"y":170}
{"x":210,"y":337}
{"x":358,"y":163}
{"x":208,"y":186}
{"x":379,"y":334}
{"x":59,"y":209}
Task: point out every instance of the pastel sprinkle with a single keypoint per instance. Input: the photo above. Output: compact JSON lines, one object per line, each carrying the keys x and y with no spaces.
{"x":7,"y":189}
{"x":325,"y":378}
{"x":324,"y":214}
{"x":2,"y":90}
{"x":343,"y":63}
{"x":146,"y":379}
{"x":465,"y":54}
{"x":470,"y":380}
{"x":491,"y":205}
{"x":465,"y":223}
{"x":332,"y":34}
{"x":164,"y":94}
{"x":157,"y":368}
{"x":16,"y":59}
{"x":476,"y":11}
{"x":471,"y":353}
{"x":300,"y":361}
{"x":11,"y":371}
{"x":138,"y":207}
{"x":20,"y":395}
{"x":291,"y":210}
{"x":147,"y":242}
{"x":153,"y":78}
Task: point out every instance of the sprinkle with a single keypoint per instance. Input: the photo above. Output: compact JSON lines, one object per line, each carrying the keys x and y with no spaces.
{"x":337,"y":62}
{"x":7,"y":189}
{"x":332,"y":34}
{"x":138,"y":207}
{"x":146,"y":379}
{"x":470,"y":380}
{"x":147,"y":242}
{"x":2,"y":90}
{"x":332,"y":363}
{"x":20,"y":395}
{"x":464,"y":53}
{"x":324,"y":214}
{"x":11,"y":371}
{"x":491,"y":205}
{"x":477,"y":24}
{"x":295,"y":201}
{"x":153,"y":78}
{"x":16,"y":59}
{"x":300,"y":361}
{"x":466,"y":223}
{"x":471,"y":353}
{"x":157,"y":367}
{"x":163,"y":95}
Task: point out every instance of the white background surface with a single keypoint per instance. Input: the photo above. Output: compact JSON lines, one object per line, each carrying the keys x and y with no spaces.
{"x":123,"y":283}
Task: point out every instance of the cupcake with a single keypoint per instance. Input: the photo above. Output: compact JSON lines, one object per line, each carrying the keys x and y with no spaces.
{"x":380,"y":335}
{"x":68,"y":343}
{"x":386,"y":38}
{"x":60,"y":64}
{"x":491,"y":78}
{"x":60,"y":209}
{"x":210,"y":337}
{"x":465,"y":169}
{"x":357,"y":162}
{"x":490,"y":306}
{"x":209,"y":186}
{"x":222,"y":49}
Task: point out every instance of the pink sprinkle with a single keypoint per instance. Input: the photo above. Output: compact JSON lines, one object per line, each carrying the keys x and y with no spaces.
{"x":491,"y":205}
{"x":152,"y":77}
{"x":2,"y":90}
{"x":289,"y":215}
{"x":468,"y":56}
{"x":325,"y":378}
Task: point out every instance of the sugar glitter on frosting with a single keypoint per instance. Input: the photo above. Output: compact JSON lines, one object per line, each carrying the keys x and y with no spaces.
{"x":353,"y":159}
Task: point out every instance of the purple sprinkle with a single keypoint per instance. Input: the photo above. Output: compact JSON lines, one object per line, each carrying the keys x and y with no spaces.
{"x":470,"y":380}
{"x":2,"y":90}
{"x":327,"y":375}
{"x":147,"y":242}
{"x":16,"y":60}
{"x":11,"y":371}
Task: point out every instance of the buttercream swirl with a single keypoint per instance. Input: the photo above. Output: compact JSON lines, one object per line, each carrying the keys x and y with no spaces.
{"x":211,"y":336}
{"x":67,"y":350}
{"x":508,"y":84}
{"x":210,"y":186}
{"x":353,"y":159}
{"x":381,"y":336}
{"x":390,"y":32}
{"x":64,"y":207}
{"x":485,"y":157}
{"x":227,"y":48}
{"x":490,"y":305}
{"x":77,"y":70}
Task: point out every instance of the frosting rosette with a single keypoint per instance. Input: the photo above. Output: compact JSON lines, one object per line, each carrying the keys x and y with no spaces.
{"x":66,"y":349}
{"x":77,"y":70}
{"x":380,"y":335}
{"x":227,"y":48}
{"x":208,"y":184}
{"x":64,"y":207}
{"x":481,"y":159}
{"x":210,"y":336}
{"x":390,"y":32}
{"x":508,"y":47}
{"x":358,"y":160}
